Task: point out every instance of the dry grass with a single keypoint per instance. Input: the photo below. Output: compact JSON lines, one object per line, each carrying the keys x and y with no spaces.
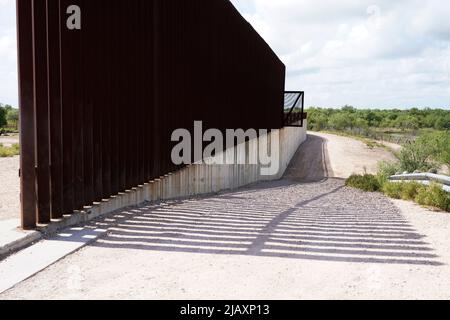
{"x":6,"y":152}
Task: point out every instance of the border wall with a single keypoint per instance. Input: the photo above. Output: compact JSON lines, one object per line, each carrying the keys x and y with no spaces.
{"x":103,"y":84}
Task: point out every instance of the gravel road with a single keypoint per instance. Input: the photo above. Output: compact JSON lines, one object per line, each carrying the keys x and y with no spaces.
{"x":303,"y":237}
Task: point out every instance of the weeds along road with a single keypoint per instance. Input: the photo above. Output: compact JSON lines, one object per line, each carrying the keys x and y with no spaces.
{"x":306,"y":236}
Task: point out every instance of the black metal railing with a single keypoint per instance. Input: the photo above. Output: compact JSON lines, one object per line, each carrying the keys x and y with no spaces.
{"x":294,"y":108}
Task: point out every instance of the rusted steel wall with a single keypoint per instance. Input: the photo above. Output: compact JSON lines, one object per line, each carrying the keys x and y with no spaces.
{"x":98,"y":105}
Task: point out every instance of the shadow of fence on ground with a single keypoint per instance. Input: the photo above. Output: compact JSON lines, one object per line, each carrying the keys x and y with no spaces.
{"x":247,"y":223}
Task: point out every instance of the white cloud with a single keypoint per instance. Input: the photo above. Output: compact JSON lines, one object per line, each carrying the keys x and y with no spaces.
{"x":360,"y":52}
{"x":8,"y":53}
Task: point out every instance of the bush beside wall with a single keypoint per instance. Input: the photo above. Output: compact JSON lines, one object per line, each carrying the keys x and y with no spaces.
{"x":430,"y":196}
{"x":366,"y":182}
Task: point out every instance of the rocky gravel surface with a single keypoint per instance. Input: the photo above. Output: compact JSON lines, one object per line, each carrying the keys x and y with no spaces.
{"x":281,"y":239}
{"x":9,"y":188}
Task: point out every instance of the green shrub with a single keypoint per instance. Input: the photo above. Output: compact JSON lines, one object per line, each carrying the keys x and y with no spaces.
{"x":402,"y":190}
{"x":417,"y":155}
{"x":12,"y":151}
{"x":385,"y":170}
{"x":430,"y":196}
{"x":365,"y":182}
{"x":434,"y":196}
{"x":392,"y":190}
{"x":410,"y":190}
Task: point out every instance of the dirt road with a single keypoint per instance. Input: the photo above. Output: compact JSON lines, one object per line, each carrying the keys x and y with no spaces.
{"x":306,"y":236}
{"x":330,"y":156}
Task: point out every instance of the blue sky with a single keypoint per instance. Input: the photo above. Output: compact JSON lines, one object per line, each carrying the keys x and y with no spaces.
{"x":367,"y":53}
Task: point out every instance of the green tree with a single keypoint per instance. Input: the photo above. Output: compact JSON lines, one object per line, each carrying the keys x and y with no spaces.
{"x":350,"y":118}
{"x":340,"y":121}
{"x":407,"y":122}
{"x":440,"y":144}
{"x":321,"y":122}
{"x":3,"y":120}
{"x":361,"y":123}
{"x":442,"y":123}
{"x":348,"y":109}
{"x":373,"y":119}
{"x":12,"y":118}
